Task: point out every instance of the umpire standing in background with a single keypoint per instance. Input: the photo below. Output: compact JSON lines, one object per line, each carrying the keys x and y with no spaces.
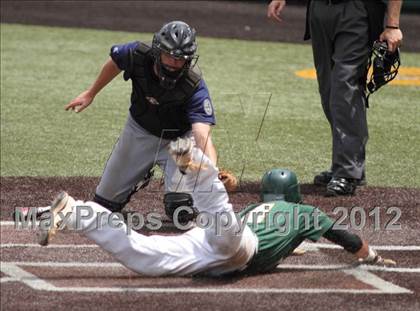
{"x":342,"y":33}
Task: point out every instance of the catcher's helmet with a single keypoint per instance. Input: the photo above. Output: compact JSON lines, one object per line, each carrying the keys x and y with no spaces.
{"x":385,"y":66}
{"x":178,"y":40}
{"x":280,"y":184}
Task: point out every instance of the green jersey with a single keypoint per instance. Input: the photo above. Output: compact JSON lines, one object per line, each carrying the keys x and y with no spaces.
{"x":280,"y":227}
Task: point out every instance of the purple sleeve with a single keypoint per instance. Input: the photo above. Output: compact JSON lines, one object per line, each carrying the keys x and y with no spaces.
{"x":200,"y":108}
{"x":120,"y":54}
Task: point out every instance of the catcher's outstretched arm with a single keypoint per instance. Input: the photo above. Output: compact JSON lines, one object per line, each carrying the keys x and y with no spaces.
{"x":109,"y":71}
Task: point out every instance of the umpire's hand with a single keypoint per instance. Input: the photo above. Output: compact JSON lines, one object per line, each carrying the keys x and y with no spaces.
{"x":393,"y":37}
{"x":275,"y":8}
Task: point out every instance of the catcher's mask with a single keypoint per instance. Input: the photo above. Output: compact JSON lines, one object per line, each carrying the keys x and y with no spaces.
{"x":176,"y":39}
{"x":385,"y":66}
{"x":280,"y":184}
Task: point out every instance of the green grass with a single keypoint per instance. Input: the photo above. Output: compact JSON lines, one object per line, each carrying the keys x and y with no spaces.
{"x":43,"y":68}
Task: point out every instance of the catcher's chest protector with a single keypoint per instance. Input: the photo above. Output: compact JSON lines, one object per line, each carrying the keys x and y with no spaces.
{"x":160,"y":111}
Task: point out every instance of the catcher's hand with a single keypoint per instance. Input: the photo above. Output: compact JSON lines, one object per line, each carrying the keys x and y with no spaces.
{"x":229,"y":180}
{"x":80,"y":102}
{"x":181,"y":151}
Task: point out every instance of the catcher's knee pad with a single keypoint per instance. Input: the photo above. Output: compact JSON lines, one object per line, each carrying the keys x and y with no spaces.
{"x":183,"y":201}
{"x":112,"y":206}
{"x":349,"y":241}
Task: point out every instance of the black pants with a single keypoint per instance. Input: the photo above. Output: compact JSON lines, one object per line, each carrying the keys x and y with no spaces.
{"x":340,"y":42}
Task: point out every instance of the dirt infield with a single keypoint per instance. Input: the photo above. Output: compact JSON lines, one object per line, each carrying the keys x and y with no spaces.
{"x":221,"y":19}
{"x":38,"y":191}
{"x":72,"y":273}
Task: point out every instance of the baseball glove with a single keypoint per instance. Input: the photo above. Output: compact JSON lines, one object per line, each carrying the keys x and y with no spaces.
{"x":229,"y":180}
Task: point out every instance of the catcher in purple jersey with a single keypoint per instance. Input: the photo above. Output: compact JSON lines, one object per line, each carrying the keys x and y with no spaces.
{"x":169,"y":99}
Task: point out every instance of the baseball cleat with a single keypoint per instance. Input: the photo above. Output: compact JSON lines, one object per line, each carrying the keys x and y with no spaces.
{"x":341,"y":186}
{"x":62,"y":203}
{"x":323,"y":178}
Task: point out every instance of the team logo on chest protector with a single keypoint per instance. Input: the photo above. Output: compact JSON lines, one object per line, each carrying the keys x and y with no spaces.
{"x":152,"y":100}
{"x":208,"y":109}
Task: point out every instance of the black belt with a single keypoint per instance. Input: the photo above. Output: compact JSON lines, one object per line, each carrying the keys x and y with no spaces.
{"x":336,"y":1}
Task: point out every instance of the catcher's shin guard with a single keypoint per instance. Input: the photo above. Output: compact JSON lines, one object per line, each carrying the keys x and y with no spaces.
{"x":112,"y":206}
{"x":118,"y":206}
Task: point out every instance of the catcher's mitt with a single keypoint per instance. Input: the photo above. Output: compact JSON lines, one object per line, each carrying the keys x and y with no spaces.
{"x":229,"y":180}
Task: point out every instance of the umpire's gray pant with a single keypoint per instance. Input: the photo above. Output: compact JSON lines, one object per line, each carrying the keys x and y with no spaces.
{"x":340,"y":45}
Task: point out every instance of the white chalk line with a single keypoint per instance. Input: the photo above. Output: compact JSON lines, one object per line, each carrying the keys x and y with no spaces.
{"x":317,"y":246}
{"x":20,"y":275}
{"x":361,"y":273}
{"x":305,"y":245}
{"x":33,"y":225}
{"x":7,"y":223}
{"x":310,"y":247}
{"x":375,"y":281}
{"x":12,"y":245}
{"x":76,"y":264}
{"x":72,"y":264}
{"x":382,"y":287}
{"x":314,"y":247}
{"x":12,"y":223}
{"x":348,"y":267}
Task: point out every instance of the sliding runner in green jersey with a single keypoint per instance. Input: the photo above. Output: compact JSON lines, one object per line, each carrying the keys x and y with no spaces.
{"x":281,"y":223}
{"x":267,"y":233}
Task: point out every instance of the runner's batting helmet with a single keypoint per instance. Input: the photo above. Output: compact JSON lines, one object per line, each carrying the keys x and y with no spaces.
{"x":280,"y":184}
{"x":178,"y":40}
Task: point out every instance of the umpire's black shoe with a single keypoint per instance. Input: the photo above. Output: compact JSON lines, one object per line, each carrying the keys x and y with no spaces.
{"x":323,"y":178}
{"x":341,"y":186}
